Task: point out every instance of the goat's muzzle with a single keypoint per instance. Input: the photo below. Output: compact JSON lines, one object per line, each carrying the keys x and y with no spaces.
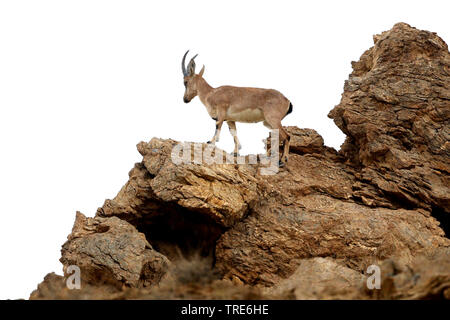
{"x":186,"y":100}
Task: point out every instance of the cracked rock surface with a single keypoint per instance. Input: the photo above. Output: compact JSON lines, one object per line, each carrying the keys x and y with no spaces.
{"x":111,"y":250}
{"x":198,"y":231}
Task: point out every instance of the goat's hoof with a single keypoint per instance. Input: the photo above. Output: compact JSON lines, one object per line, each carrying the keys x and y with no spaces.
{"x":210,"y":142}
{"x":281,"y":164}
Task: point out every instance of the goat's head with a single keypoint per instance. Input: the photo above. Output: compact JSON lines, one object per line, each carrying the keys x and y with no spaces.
{"x":189,"y":78}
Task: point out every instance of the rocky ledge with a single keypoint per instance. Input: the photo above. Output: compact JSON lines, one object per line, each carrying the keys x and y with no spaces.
{"x":309,"y":231}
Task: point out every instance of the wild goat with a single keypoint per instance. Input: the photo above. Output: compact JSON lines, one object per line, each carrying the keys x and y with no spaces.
{"x":238,"y":104}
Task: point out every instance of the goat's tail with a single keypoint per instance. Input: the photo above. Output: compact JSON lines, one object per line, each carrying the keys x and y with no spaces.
{"x":289,"y":110}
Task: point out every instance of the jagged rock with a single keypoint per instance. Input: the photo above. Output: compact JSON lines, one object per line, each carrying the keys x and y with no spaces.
{"x":52,"y":285}
{"x":223,"y":193}
{"x":54,"y":288}
{"x":426,"y":277}
{"x":110,"y":250}
{"x":188,"y":279}
{"x":182,"y":207}
{"x":306,"y":210}
{"x":271,"y":242}
{"x":303,"y":141}
{"x":383,"y":197}
{"x":395,"y":111}
{"x":321,"y":278}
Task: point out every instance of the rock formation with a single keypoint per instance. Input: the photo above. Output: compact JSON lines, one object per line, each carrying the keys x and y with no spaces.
{"x":310,"y":231}
{"x":395,"y":113}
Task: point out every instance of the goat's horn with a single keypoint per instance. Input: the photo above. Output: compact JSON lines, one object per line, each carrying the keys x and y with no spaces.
{"x":191,"y":66}
{"x":183,"y":68}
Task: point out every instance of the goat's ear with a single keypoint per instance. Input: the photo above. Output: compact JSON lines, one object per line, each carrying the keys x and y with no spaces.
{"x":202,"y":71}
{"x":191,"y":67}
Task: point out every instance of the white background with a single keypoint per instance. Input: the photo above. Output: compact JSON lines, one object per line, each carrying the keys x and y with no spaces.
{"x":82,"y":82}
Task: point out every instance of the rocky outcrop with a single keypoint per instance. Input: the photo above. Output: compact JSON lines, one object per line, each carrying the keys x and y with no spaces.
{"x":395,"y":113}
{"x":426,"y":277}
{"x":269,"y":245}
{"x":222,"y":193}
{"x":310,"y":229}
{"x":321,"y":278}
{"x":110,"y":250}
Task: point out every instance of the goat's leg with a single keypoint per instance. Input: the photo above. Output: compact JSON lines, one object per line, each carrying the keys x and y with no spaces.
{"x":237,"y":145}
{"x":286,"y":144}
{"x":275,"y":124}
{"x":267,"y":142}
{"x":219,"y":122}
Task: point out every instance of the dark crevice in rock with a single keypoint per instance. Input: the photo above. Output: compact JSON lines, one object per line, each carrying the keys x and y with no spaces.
{"x":444,"y":218}
{"x":399,"y":201}
{"x":180,"y":233}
